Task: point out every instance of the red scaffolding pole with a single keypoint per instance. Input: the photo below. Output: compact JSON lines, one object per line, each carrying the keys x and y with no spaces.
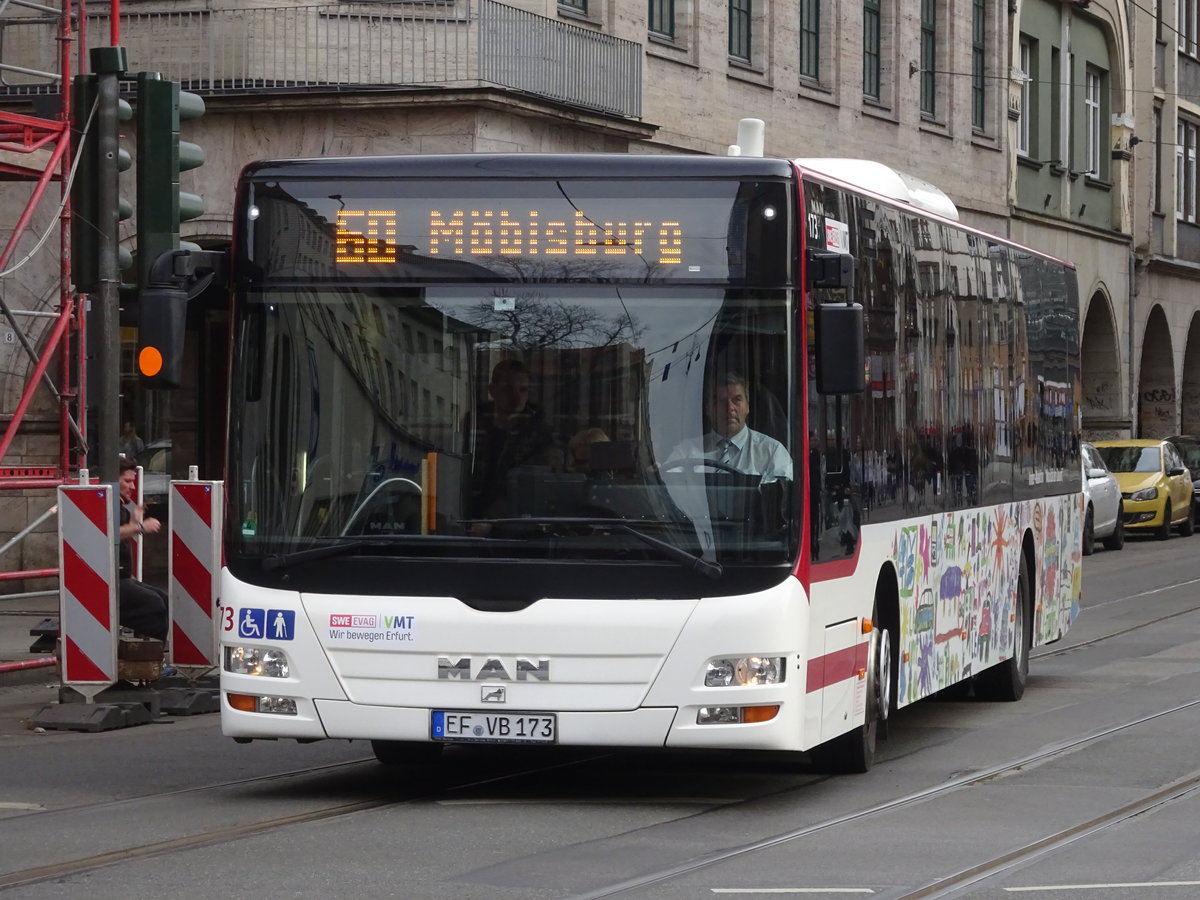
{"x":46,"y":142}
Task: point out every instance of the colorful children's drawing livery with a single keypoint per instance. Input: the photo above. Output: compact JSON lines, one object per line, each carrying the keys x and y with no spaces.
{"x":823,"y":453}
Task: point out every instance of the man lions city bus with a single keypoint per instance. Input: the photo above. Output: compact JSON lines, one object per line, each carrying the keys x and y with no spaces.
{"x":639,"y":451}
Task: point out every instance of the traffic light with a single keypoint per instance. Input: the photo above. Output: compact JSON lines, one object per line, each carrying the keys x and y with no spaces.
{"x":86,"y":225}
{"x":161,"y":206}
{"x":173,"y":279}
{"x":162,"y":323}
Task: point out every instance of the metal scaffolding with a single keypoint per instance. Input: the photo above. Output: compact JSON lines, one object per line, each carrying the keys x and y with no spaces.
{"x":56,"y":353}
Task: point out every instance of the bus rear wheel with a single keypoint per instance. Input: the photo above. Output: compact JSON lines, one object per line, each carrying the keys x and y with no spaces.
{"x":403,"y":753}
{"x":854,"y":751}
{"x":1006,"y":681}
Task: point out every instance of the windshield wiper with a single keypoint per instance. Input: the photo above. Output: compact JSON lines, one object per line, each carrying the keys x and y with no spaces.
{"x":325,"y":551}
{"x":677,"y":554}
{"x":344,"y":546}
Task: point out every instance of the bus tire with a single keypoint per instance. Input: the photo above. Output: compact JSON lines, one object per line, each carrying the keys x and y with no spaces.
{"x":403,"y":753}
{"x":1006,"y":681}
{"x":854,"y":751}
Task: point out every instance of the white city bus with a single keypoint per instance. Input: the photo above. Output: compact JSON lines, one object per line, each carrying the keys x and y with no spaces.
{"x":418,"y":552}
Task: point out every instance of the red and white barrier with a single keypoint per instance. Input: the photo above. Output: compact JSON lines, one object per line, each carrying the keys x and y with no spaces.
{"x":88,"y":622}
{"x":195,"y":568}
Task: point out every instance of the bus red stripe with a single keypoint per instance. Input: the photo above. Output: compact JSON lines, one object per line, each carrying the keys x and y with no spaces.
{"x":840,"y":665}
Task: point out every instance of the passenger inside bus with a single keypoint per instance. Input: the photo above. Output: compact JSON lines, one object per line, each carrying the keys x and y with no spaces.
{"x":508,"y":432}
{"x":579,"y":448}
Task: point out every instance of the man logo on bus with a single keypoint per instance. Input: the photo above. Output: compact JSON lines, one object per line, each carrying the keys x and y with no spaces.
{"x":493,"y":668}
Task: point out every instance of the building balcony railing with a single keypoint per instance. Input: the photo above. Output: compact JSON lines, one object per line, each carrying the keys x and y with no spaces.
{"x":352,"y":47}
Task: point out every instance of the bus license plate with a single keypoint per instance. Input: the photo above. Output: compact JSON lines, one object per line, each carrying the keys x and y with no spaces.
{"x":506,"y":728}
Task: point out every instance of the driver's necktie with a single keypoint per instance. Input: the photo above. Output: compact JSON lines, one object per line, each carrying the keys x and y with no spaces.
{"x":725,"y":451}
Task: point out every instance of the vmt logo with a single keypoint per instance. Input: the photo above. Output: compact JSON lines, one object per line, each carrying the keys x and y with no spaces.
{"x":493,"y":668}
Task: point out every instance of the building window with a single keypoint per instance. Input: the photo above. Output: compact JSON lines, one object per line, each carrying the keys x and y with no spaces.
{"x":929,"y":57}
{"x":1156,"y":167}
{"x":1092,"y":109}
{"x":662,"y":18}
{"x":978,"y":64}
{"x":580,"y":6}
{"x":1187,"y":26}
{"x":1185,"y":172}
{"x":739,"y":29}
{"x":871,"y":48}
{"x":1057,"y":145}
{"x":1024,"y":123}
{"x":810,"y":38}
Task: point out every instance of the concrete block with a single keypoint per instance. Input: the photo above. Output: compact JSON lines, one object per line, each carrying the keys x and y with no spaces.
{"x":92,"y":717}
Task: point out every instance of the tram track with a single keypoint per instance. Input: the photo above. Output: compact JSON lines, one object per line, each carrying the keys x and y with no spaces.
{"x":83,"y":864}
{"x":945,"y":886}
{"x":1054,"y":650}
{"x":950,"y":885}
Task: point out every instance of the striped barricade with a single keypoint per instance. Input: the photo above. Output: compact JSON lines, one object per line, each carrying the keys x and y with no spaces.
{"x":195,"y":509}
{"x":88,"y":621}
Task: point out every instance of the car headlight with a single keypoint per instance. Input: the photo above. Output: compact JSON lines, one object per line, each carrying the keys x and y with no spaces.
{"x":743,"y":670}
{"x":1150,"y":493}
{"x":265,"y":661}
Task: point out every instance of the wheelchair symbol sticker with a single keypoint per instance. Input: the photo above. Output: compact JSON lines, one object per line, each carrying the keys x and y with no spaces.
{"x":252,"y":623}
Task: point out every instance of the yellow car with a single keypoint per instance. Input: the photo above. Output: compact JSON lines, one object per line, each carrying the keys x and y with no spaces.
{"x":1156,"y":487}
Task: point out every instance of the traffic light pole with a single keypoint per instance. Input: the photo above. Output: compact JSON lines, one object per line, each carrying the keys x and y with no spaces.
{"x":108,"y":63}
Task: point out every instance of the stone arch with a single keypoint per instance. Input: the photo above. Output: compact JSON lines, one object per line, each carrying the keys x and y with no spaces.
{"x":1157,"y":403}
{"x":1189,"y":388}
{"x":1100,"y":364}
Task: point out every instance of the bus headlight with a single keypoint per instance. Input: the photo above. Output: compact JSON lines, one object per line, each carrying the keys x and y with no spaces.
{"x":265,"y":661}
{"x":1150,"y":493}
{"x":744,"y":670}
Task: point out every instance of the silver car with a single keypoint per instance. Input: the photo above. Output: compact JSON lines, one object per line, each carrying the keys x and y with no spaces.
{"x":1103,"y":516}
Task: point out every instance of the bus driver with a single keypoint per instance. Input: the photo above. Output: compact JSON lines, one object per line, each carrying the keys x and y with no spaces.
{"x":731,"y":442}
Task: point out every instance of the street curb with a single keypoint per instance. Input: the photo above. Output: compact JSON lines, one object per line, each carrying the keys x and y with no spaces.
{"x":42,"y":675}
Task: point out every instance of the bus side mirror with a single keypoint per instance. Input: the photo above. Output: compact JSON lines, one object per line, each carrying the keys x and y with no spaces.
{"x":841,"y":351}
{"x":830,"y":271}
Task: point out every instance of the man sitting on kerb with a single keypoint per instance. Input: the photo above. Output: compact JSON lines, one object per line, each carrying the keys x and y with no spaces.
{"x":731,"y":444}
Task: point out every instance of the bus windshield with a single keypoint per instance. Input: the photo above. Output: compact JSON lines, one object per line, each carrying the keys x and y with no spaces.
{"x":587,"y":423}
